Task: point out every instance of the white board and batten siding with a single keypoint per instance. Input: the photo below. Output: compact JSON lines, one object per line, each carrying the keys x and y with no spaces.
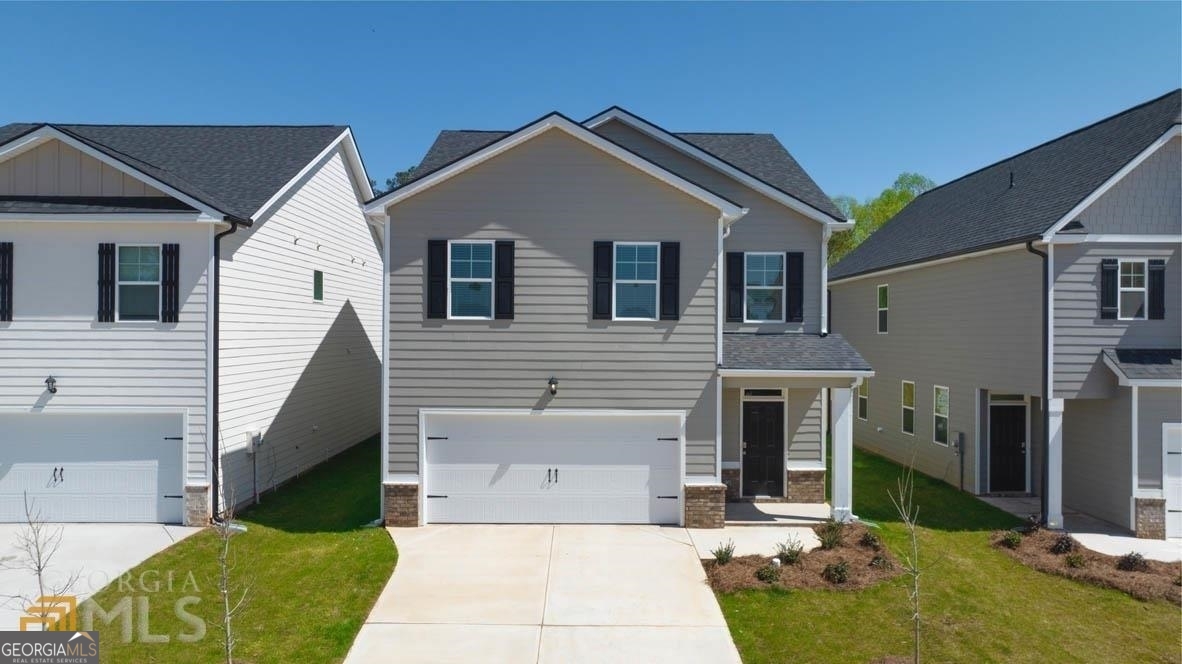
{"x":301,"y":372}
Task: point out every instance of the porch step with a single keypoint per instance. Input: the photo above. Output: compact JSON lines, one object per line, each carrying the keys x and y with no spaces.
{"x":779,"y":513}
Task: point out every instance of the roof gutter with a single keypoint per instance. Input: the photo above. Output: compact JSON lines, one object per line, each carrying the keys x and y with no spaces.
{"x":1046,"y":376}
{"x":215,"y":448}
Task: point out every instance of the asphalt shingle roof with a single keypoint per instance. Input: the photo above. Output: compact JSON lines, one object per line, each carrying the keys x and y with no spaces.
{"x":233,"y":169}
{"x":1154,"y":363}
{"x":790,"y":352}
{"x":981,"y":210}
{"x":89,"y":204}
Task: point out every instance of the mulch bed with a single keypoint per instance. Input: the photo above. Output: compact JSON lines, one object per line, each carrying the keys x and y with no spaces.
{"x":1158,"y":580}
{"x":806,"y":573}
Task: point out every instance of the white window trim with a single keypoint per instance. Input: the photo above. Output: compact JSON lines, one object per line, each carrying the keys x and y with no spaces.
{"x":904,"y":407}
{"x":1122,"y":289}
{"x":655,"y":282}
{"x":492,"y":304}
{"x":864,"y":384}
{"x":783,"y":286}
{"x":158,"y":283}
{"x":878,"y":310}
{"x":947,"y":416}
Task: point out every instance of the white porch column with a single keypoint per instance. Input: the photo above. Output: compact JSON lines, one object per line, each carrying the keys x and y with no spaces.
{"x":843,"y":454}
{"x":1054,"y":487}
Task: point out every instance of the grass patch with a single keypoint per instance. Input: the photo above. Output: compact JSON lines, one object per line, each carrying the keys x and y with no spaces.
{"x":313,"y":568}
{"x":980,"y":605}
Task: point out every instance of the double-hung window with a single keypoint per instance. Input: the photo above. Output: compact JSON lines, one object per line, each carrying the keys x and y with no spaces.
{"x":883,"y":303}
{"x":1132,"y":291}
{"x":908,"y":408}
{"x":634,"y":293}
{"x":763,"y":285}
{"x":864,"y":399}
{"x":137,"y":289}
{"x":940,"y":415}
{"x":470,"y":279}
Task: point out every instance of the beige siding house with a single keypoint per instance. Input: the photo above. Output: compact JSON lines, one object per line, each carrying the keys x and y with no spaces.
{"x":948,"y":301}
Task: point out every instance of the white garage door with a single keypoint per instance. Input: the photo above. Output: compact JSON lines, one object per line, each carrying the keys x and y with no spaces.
{"x":1171,"y":438}
{"x":552,"y":468}
{"x":91,"y":467}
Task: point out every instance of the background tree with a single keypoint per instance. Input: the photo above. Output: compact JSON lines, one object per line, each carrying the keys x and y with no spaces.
{"x":400,"y":178}
{"x":874,"y":212}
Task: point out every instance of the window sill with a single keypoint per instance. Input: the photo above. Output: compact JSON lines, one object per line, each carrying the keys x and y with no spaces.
{"x":636,"y":320}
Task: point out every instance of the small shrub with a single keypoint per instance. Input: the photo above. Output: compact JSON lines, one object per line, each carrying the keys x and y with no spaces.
{"x":880,"y":561}
{"x":768,"y":573}
{"x":870,"y":541}
{"x":1033,"y":524}
{"x":831,"y":534}
{"x":1011,"y":539}
{"x":789,"y":551}
{"x":1074,"y":560}
{"x":1132,"y":562}
{"x":838,"y":572}
{"x":1063,"y":544}
{"x":723,"y":552}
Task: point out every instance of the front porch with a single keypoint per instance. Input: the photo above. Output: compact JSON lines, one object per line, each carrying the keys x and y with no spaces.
{"x":776,"y":514}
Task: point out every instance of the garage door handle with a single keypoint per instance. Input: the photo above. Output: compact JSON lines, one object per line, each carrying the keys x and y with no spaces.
{"x":667,"y":497}
{"x":548,"y":471}
{"x":435,"y":495}
{"x":556,"y":476}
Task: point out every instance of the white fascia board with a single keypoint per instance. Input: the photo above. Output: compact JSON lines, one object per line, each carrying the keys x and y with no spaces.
{"x":729,"y":210}
{"x":710,"y":160}
{"x":1081,"y":238}
{"x":779,"y":373}
{"x":1125,"y":381}
{"x":1173,"y":132}
{"x":113,"y":218}
{"x":931,"y":263}
{"x":352,"y":161}
{"x":48,"y":133}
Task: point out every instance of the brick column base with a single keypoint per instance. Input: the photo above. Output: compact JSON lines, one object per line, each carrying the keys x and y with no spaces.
{"x":1151,"y":518}
{"x":197,"y":506}
{"x":705,"y":505}
{"x":730,"y":477}
{"x":402,"y":504}
{"x":806,"y":486}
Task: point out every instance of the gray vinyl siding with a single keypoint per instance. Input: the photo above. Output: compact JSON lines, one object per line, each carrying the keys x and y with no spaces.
{"x":802,"y":420}
{"x":1096,"y":458}
{"x":554,"y":196}
{"x":1147,"y":200}
{"x":1155,"y":406}
{"x":966,"y":325}
{"x":56,"y":169}
{"x":768,"y":226}
{"x":1080,"y":333}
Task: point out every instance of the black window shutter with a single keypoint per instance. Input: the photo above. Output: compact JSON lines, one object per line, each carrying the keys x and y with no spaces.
{"x":1157,"y":289}
{"x":170,"y":276}
{"x":5,"y":281}
{"x":794,"y":280}
{"x":734,"y":286}
{"x":1109,"y":276}
{"x":670,"y":280}
{"x":503,"y":284}
{"x":601,"y":281}
{"x":436,"y":278}
{"x":106,"y":282}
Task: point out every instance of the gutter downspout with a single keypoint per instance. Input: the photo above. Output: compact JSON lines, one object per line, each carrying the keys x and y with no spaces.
{"x":215,"y":449}
{"x":1046,"y":379}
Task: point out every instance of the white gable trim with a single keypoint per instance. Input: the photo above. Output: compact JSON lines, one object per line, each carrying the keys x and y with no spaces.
{"x":1173,"y":132}
{"x":729,"y":211}
{"x":714,"y":162}
{"x":352,"y":160}
{"x":47,"y":133}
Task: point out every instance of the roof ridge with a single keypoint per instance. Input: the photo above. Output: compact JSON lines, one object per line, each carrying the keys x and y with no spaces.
{"x":194,"y":126}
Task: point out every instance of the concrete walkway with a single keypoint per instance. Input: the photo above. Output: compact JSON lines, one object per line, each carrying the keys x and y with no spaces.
{"x":545,"y":594}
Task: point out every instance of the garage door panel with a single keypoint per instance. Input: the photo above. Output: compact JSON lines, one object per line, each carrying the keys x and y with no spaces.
{"x":1172,"y":477}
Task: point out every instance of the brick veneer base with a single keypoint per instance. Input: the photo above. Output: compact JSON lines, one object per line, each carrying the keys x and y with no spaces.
{"x":1151,"y":518}
{"x":705,"y":505}
{"x":402,"y":504}
{"x":730,"y":477}
{"x":196,"y":506}
{"x":806,"y":486}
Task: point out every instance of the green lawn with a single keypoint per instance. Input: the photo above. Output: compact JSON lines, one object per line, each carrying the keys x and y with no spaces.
{"x":979,"y":604}
{"x":313,"y":570}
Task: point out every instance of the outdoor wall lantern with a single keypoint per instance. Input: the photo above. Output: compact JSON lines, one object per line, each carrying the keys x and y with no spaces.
{"x":51,"y":385}
{"x":553,"y":386}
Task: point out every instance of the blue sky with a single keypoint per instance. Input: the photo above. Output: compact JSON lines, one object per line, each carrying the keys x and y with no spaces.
{"x":858,"y":92}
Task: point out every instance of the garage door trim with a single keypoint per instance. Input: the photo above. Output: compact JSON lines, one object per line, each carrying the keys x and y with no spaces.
{"x":425,"y":413}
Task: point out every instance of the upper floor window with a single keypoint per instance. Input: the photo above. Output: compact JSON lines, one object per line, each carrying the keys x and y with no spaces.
{"x":940,"y":415}
{"x":1133,"y":293}
{"x":864,"y":399}
{"x":470,"y":279}
{"x":908,"y":410}
{"x":634,"y":292}
{"x":137,"y":289}
{"x":763,"y":287}
{"x":883,"y":304}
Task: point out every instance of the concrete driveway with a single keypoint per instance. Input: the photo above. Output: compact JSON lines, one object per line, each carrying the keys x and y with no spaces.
{"x":571,"y":594}
{"x":97,"y":552}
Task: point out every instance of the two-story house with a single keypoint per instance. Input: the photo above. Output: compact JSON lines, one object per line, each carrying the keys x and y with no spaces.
{"x":1023,"y":321}
{"x":603,"y":321}
{"x":149,"y":274}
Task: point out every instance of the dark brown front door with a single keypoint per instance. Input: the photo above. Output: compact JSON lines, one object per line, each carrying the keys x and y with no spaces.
{"x":763,"y":453}
{"x":1007,"y":447}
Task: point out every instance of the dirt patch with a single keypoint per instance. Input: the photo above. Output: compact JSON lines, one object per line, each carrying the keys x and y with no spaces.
{"x":809,"y":571}
{"x":1155,"y":580}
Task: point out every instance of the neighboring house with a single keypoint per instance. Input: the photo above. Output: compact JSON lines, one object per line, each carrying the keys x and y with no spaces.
{"x":948,"y":301}
{"x":607,"y":322}
{"x":113,"y":357}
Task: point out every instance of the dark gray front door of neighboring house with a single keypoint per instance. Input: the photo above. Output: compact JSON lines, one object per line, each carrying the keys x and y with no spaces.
{"x":763,"y":448}
{"x":1007,"y":447}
